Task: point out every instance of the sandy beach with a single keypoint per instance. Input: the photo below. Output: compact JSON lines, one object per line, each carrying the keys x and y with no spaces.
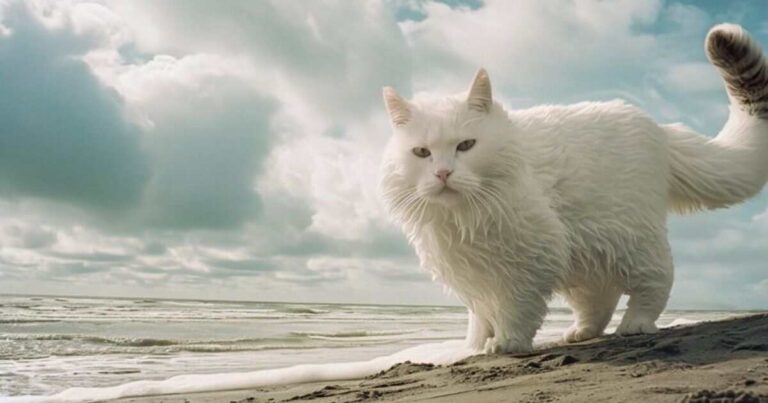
{"x":723,"y":361}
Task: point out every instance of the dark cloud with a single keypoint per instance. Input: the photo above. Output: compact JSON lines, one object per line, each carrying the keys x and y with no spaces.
{"x":31,"y":236}
{"x":64,"y":137}
{"x":154,"y":248}
{"x":62,"y":134}
{"x":207,"y":144}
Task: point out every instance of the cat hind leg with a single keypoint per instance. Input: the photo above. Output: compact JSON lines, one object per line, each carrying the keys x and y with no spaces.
{"x":649,"y":286}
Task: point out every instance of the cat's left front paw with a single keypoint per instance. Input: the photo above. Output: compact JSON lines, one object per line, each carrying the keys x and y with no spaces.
{"x":501,"y":345}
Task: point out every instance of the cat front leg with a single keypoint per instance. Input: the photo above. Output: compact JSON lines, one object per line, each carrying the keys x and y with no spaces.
{"x":478,"y":332}
{"x":515,"y":326}
{"x":528,"y":273}
{"x":508,"y":345}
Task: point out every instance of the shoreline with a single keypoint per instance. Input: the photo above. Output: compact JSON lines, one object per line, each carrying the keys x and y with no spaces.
{"x":725,"y":359}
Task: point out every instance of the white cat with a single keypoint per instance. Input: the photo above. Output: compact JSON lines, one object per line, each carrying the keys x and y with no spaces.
{"x":506,"y":208}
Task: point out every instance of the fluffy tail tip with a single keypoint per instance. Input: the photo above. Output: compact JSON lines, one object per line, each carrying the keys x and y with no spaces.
{"x":727,"y":44}
{"x":743,"y":66}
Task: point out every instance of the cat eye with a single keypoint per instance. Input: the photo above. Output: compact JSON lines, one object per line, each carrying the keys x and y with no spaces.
{"x":421,"y":152}
{"x":465,"y":145}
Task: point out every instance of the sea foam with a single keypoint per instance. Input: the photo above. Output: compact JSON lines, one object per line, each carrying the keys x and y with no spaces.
{"x":435,"y":353}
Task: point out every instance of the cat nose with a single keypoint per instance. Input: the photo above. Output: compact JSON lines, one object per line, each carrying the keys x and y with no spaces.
{"x":443,"y":174}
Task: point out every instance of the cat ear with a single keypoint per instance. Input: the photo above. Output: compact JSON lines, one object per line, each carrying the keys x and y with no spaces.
{"x":480,"y":98}
{"x":397,"y":107}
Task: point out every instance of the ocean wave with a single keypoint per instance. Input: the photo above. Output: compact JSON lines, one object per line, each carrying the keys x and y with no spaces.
{"x":303,"y":310}
{"x":154,"y":342}
{"x":144,"y":301}
{"x":120,"y":372}
{"x":350,"y":334}
{"x":19,"y":321}
{"x":44,"y":345}
{"x":131,"y":342}
{"x":118,"y":341}
{"x":681,"y":321}
{"x":48,"y":308}
{"x":216,"y":348}
{"x":39,"y":336}
{"x":137,"y":315}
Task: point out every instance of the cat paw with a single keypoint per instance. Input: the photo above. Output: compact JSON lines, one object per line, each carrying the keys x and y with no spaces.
{"x":496,"y":345}
{"x":636,"y":326}
{"x":575,"y":334}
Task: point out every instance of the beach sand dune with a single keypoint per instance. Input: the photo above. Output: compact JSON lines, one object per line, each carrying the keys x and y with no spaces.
{"x":724,"y":361}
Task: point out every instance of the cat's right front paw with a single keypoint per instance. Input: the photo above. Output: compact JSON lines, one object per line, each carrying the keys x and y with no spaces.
{"x":635,"y":325}
{"x":575,"y":334}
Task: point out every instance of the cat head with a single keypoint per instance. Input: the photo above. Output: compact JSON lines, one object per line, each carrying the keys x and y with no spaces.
{"x":445,"y":152}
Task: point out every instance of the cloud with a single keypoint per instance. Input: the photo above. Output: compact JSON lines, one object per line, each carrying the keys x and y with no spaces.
{"x":146,"y":144}
{"x":208,"y":133}
{"x":27,"y":236}
{"x":338,"y":177}
{"x":187,"y":149}
{"x":564,"y":52}
{"x":63,"y":135}
{"x":762,"y":287}
{"x":692,"y":78}
{"x":506,"y":37}
{"x":720,"y":257}
{"x":353,"y":46}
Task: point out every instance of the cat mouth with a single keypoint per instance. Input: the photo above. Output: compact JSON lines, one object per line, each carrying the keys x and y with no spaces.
{"x":442,"y":193}
{"x":447,"y":190}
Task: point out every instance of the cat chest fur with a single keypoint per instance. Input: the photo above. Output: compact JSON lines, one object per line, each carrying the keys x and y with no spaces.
{"x":516,"y":252}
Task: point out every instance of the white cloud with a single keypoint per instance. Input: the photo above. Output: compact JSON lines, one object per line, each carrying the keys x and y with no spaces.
{"x":533,"y":47}
{"x":762,"y":219}
{"x":762,"y":287}
{"x":692,"y":78}
{"x":25,"y":235}
{"x":338,"y":176}
{"x":354,"y":46}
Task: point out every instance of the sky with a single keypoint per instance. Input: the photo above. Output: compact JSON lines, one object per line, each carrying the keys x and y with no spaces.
{"x":230,"y":150}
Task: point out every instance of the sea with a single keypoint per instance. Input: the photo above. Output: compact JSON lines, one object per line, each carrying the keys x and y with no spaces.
{"x":49,"y":344}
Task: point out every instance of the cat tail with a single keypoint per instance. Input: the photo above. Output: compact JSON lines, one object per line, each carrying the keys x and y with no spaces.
{"x":709,"y":173}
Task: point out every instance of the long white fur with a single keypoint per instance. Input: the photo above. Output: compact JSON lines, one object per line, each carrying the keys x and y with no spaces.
{"x":567,"y":199}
